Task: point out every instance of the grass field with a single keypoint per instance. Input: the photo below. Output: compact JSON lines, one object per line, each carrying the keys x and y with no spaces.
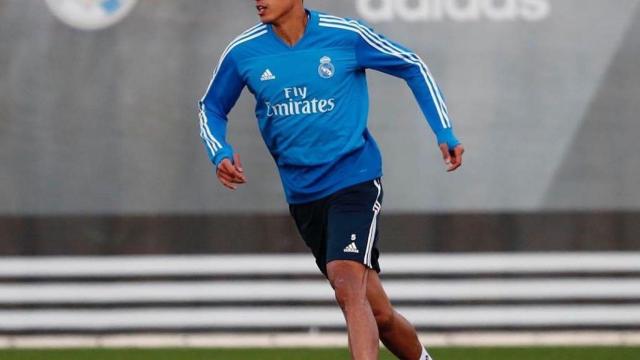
{"x":546,"y":353}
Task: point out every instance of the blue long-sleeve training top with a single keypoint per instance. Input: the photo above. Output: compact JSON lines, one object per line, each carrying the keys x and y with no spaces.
{"x":312,"y":102}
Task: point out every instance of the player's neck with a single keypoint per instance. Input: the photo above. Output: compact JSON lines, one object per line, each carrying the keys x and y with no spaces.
{"x":291,"y":26}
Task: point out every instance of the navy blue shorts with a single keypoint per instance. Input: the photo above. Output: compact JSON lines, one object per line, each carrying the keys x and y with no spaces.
{"x":342,"y":226}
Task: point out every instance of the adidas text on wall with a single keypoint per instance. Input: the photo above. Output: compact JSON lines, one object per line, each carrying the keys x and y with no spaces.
{"x":453,"y":10}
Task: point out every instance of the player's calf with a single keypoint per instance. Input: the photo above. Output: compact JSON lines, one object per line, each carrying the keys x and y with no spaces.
{"x":349,"y":281}
{"x":385,"y":318}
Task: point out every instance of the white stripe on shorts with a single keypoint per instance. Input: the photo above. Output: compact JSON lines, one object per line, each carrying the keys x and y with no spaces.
{"x":372,"y":229}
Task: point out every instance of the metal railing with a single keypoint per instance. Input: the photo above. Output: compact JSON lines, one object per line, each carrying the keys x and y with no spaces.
{"x":255,"y":293}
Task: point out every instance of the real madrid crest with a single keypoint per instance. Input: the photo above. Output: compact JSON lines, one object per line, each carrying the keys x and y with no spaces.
{"x":326,"y":70}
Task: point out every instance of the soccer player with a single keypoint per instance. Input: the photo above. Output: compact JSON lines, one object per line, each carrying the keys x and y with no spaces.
{"x":307,"y":72}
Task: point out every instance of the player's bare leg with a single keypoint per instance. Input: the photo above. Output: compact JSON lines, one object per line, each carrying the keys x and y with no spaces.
{"x":349,"y":281}
{"x":396,"y":333}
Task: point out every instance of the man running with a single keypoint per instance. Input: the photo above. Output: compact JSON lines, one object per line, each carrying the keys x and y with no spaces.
{"x":307,"y":72}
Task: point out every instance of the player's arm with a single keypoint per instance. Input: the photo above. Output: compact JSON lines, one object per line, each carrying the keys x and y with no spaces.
{"x":223,"y":92}
{"x":374,"y":51}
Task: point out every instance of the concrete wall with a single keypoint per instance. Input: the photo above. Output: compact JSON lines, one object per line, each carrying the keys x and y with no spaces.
{"x":545,"y":99}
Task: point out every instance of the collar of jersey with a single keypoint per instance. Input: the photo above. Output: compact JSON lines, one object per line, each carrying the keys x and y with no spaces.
{"x":311,"y":26}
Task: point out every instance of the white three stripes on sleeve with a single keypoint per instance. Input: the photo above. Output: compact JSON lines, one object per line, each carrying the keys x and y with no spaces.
{"x":205,"y":132}
{"x":212,"y":143}
{"x":387,"y":47}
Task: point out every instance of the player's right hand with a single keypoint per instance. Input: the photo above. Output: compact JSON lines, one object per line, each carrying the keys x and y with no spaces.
{"x":231,"y":174}
{"x":452,"y":157}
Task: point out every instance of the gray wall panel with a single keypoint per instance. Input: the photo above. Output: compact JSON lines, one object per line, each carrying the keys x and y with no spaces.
{"x":105,"y":121}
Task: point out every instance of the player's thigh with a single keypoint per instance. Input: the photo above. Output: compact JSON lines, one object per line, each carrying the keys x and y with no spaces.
{"x":347,"y":273}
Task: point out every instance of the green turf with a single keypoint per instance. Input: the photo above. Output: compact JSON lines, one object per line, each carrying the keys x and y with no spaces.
{"x":542,"y":353}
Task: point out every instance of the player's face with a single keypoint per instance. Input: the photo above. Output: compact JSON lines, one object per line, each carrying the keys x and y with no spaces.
{"x":270,"y":11}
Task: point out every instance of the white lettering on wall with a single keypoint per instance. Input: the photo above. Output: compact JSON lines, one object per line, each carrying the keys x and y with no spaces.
{"x":454,"y":10}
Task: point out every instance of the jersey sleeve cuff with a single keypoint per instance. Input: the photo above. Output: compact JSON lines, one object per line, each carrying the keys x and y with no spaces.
{"x":446,"y":136}
{"x":224,"y":153}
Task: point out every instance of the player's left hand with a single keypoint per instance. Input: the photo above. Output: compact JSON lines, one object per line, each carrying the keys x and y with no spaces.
{"x":452,"y":157}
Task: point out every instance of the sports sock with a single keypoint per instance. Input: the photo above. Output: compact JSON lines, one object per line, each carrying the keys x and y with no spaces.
{"x":425,"y":354}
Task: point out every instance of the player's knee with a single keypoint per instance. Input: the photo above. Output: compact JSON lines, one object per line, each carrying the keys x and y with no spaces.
{"x":347,"y":280}
{"x":348,"y":293}
{"x":384,"y":318}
